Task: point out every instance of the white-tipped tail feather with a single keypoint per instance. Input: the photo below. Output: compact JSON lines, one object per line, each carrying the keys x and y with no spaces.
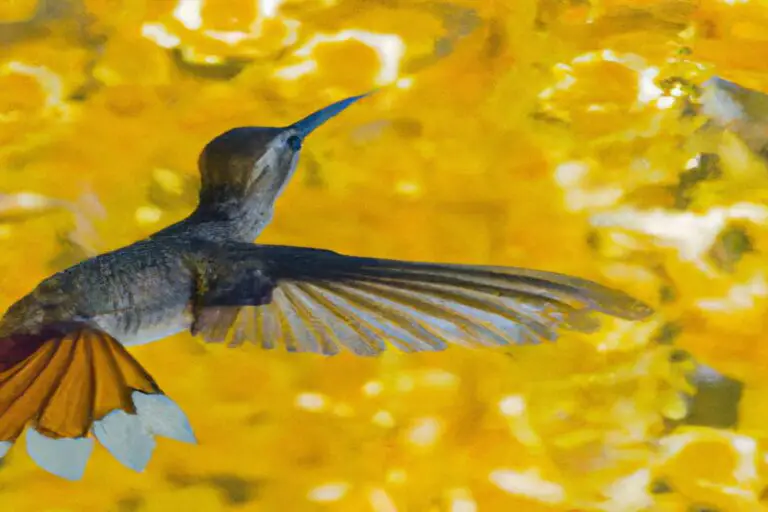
{"x":126,"y":439}
{"x":63,"y":457}
{"x":161,"y":416}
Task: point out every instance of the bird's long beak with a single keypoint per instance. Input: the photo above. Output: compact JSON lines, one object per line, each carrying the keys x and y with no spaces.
{"x":312,"y":121}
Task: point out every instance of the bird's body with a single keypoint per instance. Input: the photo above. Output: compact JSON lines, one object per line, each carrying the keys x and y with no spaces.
{"x":65,"y":374}
{"x":136,"y":294}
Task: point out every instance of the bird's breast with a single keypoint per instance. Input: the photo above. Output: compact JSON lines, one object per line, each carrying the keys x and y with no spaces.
{"x":137,"y":327}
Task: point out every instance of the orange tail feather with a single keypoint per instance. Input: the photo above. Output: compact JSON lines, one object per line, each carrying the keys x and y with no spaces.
{"x":65,"y":384}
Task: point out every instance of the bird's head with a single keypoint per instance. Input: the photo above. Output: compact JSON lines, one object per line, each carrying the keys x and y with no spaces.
{"x":244,"y":170}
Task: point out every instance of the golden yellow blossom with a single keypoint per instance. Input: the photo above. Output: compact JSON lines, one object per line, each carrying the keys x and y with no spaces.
{"x":619,"y":140}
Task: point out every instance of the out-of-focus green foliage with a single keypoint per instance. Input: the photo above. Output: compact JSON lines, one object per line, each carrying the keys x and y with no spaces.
{"x":580,"y":136}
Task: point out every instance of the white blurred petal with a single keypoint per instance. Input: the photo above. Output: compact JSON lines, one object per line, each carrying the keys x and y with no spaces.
{"x":4,"y":447}
{"x":62,"y":457}
{"x":160,"y":415}
{"x":126,"y":438}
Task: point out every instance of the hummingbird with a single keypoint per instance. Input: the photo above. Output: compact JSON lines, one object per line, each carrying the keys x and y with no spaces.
{"x":67,"y":379}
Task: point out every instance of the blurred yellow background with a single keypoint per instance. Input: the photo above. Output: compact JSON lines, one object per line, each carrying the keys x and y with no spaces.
{"x":621,"y":140}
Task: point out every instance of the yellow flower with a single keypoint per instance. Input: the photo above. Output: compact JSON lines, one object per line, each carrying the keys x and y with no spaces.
{"x":570,"y":136}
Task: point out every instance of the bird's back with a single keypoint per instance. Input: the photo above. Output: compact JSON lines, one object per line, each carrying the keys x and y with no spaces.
{"x":137,"y":294}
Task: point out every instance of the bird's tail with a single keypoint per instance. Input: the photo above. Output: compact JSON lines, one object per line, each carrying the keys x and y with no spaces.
{"x":65,"y":385}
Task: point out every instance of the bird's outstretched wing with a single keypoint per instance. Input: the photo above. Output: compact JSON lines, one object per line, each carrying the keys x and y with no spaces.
{"x":311,"y":300}
{"x":62,"y":384}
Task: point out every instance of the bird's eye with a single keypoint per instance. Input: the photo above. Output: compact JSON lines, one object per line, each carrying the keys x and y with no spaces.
{"x":294,"y":142}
